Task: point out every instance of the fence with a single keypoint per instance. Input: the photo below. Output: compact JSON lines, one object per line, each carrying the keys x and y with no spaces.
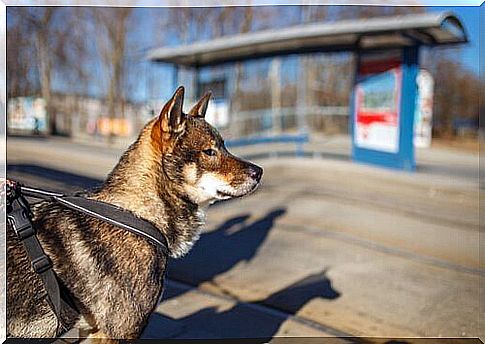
{"x":286,"y":120}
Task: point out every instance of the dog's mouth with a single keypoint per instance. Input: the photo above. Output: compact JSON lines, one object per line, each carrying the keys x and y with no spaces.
{"x":237,"y":194}
{"x":224,"y":194}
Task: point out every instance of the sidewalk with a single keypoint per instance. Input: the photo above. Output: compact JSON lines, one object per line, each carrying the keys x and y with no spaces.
{"x":324,"y":247}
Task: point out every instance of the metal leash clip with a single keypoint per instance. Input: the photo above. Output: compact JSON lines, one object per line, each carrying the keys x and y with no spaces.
{"x":20,"y":217}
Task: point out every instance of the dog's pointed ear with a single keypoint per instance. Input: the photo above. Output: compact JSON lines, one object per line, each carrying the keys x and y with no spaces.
{"x":172,"y":118}
{"x":199,"y":109}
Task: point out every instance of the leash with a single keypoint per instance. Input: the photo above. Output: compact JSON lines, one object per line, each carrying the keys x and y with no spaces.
{"x":19,"y":216}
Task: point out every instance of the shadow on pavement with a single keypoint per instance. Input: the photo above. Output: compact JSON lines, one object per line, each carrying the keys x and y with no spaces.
{"x":246,"y":320}
{"x":218,"y":251}
{"x":294,"y":297}
{"x":44,"y":177}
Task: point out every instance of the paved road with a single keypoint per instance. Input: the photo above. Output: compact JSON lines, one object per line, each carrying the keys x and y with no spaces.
{"x":325,"y":247}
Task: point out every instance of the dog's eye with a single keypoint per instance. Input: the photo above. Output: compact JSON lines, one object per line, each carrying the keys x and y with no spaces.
{"x":209,"y":152}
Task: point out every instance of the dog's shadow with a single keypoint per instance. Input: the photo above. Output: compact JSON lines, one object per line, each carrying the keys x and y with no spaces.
{"x":220,"y":250}
{"x":261,"y":319}
{"x":217,"y":252}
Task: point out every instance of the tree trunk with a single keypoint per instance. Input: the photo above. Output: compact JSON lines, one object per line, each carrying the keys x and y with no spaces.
{"x":117,"y":36}
{"x":45,"y":77}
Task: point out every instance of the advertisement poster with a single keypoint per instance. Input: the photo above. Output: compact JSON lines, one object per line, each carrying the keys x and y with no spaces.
{"x":423,"y":115}
{"x":377,"y":105}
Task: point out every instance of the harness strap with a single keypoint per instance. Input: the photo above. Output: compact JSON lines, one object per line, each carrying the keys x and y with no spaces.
{"x":108,"y":213}
{"x":117,"y":217}
{"x":19,"y":219}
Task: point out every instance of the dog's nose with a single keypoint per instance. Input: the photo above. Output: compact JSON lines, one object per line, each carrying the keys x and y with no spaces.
{"x":256,"y":172}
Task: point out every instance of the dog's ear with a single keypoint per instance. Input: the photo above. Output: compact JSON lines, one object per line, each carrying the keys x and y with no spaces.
{"x":172,"y":118}
{"x":199,"y":109}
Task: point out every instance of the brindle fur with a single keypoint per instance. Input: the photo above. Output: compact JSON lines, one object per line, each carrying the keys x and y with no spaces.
{"x":116,"y":277}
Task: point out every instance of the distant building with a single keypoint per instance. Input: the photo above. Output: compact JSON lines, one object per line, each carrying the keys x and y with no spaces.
{"x":76,"y":116}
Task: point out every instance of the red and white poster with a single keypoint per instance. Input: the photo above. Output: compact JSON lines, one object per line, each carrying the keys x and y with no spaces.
{"x":377,"y":104}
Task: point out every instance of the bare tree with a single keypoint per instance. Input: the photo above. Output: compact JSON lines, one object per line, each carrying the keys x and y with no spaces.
{"x":40,"y":24}
{"x":112,"y":25}
{"x":186,"y":24}
{"x":457,"y":95}
{"x":58,"y":46}
{"x":354,"y":12}
{"x":21,"y":80}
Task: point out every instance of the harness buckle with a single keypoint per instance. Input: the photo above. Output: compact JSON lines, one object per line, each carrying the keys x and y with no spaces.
{"x":41,"y":264}
{"x":21,"y":224}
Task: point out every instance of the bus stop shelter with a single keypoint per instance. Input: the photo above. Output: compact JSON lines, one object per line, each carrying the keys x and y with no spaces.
{"x":382,"y":103}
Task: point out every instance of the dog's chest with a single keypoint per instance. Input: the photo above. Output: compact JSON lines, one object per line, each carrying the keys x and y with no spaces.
{"x":189,"y":232}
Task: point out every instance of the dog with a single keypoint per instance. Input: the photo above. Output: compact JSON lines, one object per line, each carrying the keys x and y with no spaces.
{"x":169,"y":176}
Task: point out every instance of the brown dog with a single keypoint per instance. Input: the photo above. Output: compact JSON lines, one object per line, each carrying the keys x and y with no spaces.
{"x":168,"y":176}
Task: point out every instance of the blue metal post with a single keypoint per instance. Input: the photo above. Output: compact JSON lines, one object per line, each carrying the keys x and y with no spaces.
{"x":408,"y":102}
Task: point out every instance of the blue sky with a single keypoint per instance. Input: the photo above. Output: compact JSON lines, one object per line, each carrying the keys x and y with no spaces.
{"x":149,"y":78}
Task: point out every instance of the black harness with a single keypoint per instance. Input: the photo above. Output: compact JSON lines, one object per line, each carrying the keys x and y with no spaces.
{"x":19,"y":216}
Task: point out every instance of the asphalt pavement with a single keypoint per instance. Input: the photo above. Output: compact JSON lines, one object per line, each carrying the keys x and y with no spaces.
{"x":325,"y":247}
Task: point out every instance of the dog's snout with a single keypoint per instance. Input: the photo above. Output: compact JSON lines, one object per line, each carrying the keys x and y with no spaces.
{"x":256,"y":172}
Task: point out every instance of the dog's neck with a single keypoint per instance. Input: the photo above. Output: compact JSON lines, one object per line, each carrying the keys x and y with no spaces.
{"x":135,"y":184}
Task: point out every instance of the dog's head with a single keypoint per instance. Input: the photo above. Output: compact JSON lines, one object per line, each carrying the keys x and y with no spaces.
{"x":194,"y":157}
